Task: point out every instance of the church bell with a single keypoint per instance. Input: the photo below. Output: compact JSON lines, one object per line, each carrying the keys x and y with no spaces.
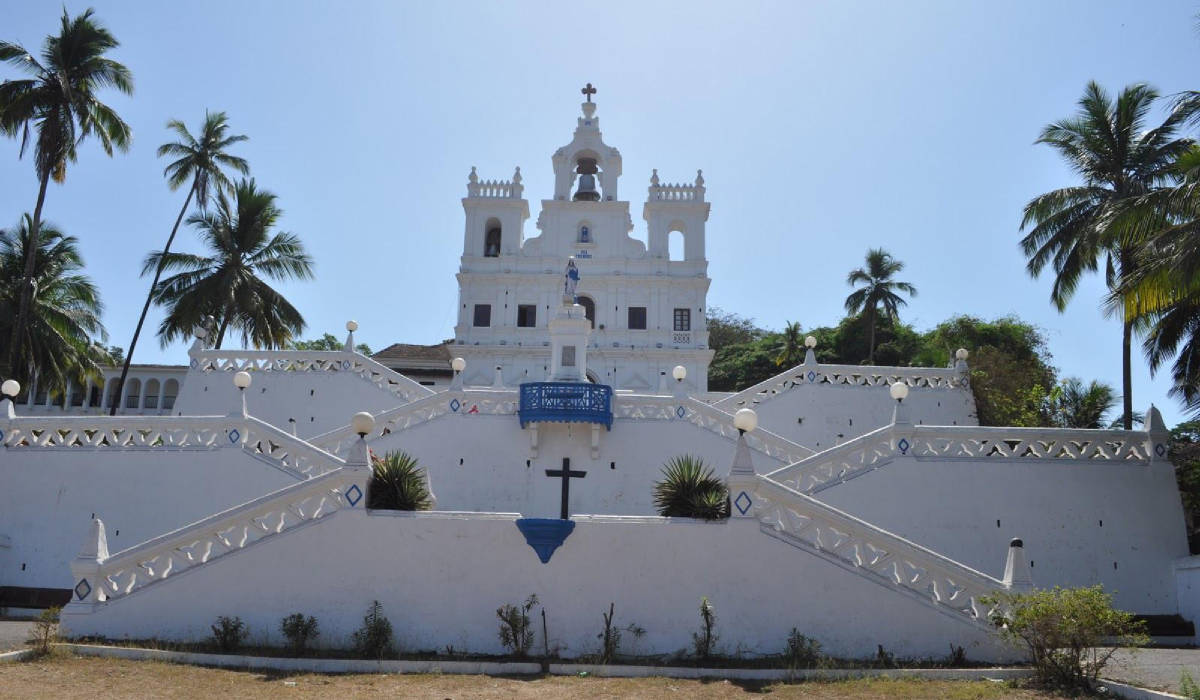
{"x":587,"y":181}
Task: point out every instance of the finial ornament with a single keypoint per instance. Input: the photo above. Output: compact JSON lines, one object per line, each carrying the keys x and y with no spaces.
{"x":517,"y":176}
{"x":588,"y":91}
{"x":473,"y":178}
{"x":654,"y":177}
{"x":699,"y":177}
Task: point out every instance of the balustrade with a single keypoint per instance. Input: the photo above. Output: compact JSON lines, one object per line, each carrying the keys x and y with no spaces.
{"x":566,"y":402}
{"x":849,"y":376}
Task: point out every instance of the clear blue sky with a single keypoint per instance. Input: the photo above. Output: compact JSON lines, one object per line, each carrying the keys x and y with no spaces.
{"x":823,"y":128}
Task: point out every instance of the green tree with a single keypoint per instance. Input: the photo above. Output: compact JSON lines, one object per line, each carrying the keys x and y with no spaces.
{"x":790,"y":353}
{"x":65,"y":307}
{"x":877,"y":289}
{"x":1071,"y":229}
{"x":59,"y":101}
{"x":327,"y":343}
{"x":1185,"y":455}
{"x":200,"y":162}
{"x":1076,"y":405}
{"x":226,"y":284}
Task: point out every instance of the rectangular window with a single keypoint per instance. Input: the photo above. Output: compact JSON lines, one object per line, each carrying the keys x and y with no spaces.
{"x":637,"y":318}
{"x":683,"y":319}
{"x":526,"y":315}
{"x":483,"y":315}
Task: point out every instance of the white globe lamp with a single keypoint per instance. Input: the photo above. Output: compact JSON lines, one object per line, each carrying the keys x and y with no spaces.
{"x":10,"y":388}
{"x":745,"y":420}
{"x":810,"y":342}
{"x":458,"y":364}
{"x":899,"y":391}
{"x":242,"y":380}
{"x":680,"y":372}
{"x":961,"y":354}
{"x":351,"y":326}
{"x":363,"y":423}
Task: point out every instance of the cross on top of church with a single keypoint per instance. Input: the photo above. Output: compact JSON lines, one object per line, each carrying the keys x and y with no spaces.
{"x":588,"y":91}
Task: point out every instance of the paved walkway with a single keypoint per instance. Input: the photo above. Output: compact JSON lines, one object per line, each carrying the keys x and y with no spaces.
{"x":1159,"y":669}
{"x":13,"y":633}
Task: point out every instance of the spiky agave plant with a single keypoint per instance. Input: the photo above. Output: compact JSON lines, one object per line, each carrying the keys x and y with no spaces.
{"x":689,"y":489}
{"x":398,"y":483}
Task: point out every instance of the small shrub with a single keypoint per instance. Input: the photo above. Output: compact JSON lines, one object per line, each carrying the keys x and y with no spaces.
{"x":705,"y":641}
{"x":1063,"y":629}
{"x":801,"y":651}
{"x":373,"y":640}
{"x":884,"y":658}
{"x":45,"y":630}
{"x":610,"y":638}
{"x":229,"y":633}
{"x":397,"y":483}
{"x":689,"y":489}
{"x":957,"y":657}
{"x":299,"y":630}
{"x":516,"y":632}
{"x":1188,"y":687}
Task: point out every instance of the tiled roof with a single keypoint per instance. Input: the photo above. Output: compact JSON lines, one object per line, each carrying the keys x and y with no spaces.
{"x":400,"y":353}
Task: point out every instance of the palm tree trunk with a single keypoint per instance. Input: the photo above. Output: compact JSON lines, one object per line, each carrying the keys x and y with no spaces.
{"x":149,"y":297}
{"x":224,"y":325}
{"x":27,"y":281}
{"x":871,"y":347}
{"x":1126,"y":378}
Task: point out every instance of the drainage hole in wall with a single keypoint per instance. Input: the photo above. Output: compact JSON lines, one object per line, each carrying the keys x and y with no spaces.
{"x":612,"y":465}
{"x":460,"y":461}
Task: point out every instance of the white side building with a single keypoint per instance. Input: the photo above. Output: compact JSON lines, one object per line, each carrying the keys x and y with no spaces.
{"x":647,"y":310}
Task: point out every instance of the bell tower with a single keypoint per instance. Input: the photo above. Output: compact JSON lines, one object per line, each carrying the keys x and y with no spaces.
{"x":586,"y":170}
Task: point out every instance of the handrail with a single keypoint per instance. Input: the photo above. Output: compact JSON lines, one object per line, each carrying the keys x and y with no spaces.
{"x":389,"y":380}
{"x":859,"y":546}
{"x":846,"y":375}
{"x":281,"y":449}
{"x":962,"y":442}
{"x":219,"y":534}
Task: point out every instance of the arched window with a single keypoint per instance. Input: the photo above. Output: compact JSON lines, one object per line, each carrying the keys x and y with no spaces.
{"x":675,"y":248}
{"x":170,"y":391}
{"x":585,"y":233}
{"x":491,"y":241}
{"x":113,"y":399}
{"x":589,"y":308}
{"x":151,"y":394}
{"x":133,"y":393}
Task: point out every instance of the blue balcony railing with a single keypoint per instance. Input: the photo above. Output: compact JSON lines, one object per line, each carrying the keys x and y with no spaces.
{"x":566,"y":402}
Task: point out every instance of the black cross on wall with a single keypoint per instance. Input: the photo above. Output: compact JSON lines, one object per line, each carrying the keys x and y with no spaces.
{"x":566,"y":474}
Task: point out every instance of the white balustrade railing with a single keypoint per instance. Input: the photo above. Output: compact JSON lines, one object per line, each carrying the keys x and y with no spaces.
{"x":676,"y":193}
{"x":169,"y":433}
{"x":386,"y":379}
{"x":470,"y":402}
{"x":858,"y":546}
{"x":846,"y":375}
{"x":961,"y":442}
{"x":494,"y":189}
{"x":175,"y":552}
{"x":638,"y":406}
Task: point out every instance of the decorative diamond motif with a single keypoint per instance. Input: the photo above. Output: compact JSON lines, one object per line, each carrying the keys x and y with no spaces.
{"x":345,"y":364}
{"x":354,"y":495}
{"x":903,"y":445}
{"x":83,"y":589}
{"x":681,"y":411}
{"x":812,"y":376}
{"x":195,"y":364}
{"x":743,"y":503}
{"x":1158,"y":449}
{"x":234,"y":436}
{"x":455,"y":405}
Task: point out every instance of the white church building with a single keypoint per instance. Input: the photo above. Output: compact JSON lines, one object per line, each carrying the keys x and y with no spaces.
{"x":867,"y":506}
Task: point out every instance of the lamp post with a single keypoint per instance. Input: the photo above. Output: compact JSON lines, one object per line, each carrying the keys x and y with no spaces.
{"x":679,"y":373}
{"x":899,"y":392}
{"x":242,"y":381}
{"x":362,"y":423}
{"x":810,"y":358}
{"x":10,"y":388}
{"x":351,"y":326}
{"x":742,"y":479}
{"x":458,"y":364}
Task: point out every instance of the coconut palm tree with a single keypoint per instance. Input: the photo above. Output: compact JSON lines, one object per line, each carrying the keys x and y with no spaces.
{"x":1071,"y":229}
{"x":226,"y":284}
{"x":878,"y":290}
{"x":1076,"y":405}
{"x":59,"y":102}
{"x":65,"y":313}
{"x":789,"y":349}
{"x":200,"y":162}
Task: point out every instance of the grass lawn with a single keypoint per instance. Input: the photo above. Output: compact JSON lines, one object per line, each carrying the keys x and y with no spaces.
{"x":66,"y":676}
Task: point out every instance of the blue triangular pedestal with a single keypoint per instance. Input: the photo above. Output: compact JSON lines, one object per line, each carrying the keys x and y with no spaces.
{"x":545,"y":534}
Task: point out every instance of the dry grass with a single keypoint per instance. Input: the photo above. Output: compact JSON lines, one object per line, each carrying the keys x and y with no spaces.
{"x":64,"y":676}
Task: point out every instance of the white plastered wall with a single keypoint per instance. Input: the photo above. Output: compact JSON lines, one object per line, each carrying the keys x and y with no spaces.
{"x":440,"y":578}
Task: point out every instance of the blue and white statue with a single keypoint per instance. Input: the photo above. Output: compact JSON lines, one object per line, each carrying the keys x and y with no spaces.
{"x":572,"y":280}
